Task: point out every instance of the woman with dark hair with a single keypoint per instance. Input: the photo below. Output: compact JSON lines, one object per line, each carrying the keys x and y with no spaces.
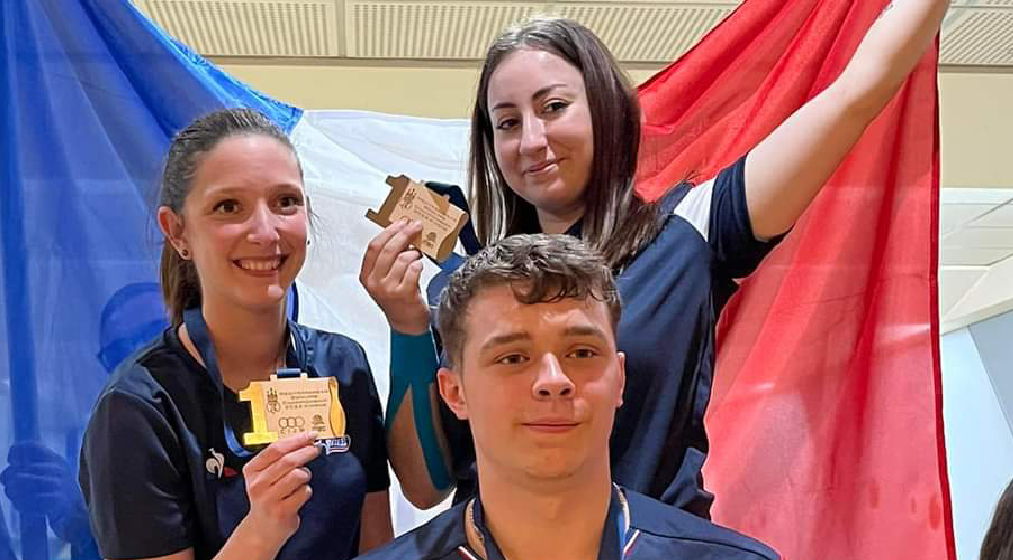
{"x":554,"y":141}
{"x":161,"y":468}
{"x":998,"y":542}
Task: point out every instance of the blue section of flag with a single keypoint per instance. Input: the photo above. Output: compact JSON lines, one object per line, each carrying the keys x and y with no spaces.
{"x":90,"y":97}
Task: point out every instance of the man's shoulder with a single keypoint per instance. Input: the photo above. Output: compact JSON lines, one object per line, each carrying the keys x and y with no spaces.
{"x":437,"y":539}
{"x":679,"y":529}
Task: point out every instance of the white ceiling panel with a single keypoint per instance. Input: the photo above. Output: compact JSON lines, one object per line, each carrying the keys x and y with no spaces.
{"x":969,"y":257}
{"x":953,"y":216}
{"x":991,"y":295}
{"x":967,"y":195}
{"x":1000,"y":217}
{"x":955,"y":283}
{"x":980,"y":237}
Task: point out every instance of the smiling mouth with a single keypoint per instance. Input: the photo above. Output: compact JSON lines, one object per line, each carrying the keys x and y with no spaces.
{"x":541,"y":167}
{"x":260,"y":265}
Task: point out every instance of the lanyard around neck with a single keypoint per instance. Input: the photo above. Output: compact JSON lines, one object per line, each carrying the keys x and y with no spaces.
{"x":197,"y":330}
{"x":618,"y":517}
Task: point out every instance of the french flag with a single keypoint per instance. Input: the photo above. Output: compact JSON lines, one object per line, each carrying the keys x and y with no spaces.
{"x":825,"y":420}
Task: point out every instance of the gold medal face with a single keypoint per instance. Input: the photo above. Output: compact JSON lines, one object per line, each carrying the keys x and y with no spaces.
{"x":285,"y":406}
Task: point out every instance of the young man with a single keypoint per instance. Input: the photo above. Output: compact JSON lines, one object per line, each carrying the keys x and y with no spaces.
{"x":528,"y":325}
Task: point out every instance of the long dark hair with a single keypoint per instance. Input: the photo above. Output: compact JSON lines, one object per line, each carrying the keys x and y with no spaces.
{"x":180,"y":284}
{"x":616,"y":221}
{"x":998,"y":542}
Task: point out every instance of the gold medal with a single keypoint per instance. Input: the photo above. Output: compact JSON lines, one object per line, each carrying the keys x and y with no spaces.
{"x":289,"y":405}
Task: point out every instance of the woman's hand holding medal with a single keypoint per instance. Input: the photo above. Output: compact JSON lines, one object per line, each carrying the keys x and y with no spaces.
{"x":390,"y":273}
{"x":277,"y":484}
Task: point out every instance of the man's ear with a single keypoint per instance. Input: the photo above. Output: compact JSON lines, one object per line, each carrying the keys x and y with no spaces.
{"x":452,"y":391}
{"x":172,"y":228}
{"x":622,"y":378}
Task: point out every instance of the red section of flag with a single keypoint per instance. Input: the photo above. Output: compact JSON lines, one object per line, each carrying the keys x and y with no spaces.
{"x":826,"y":416}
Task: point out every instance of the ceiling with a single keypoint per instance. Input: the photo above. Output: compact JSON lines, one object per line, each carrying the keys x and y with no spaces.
{"x":976,"y":32}
{"x":975,"y":255}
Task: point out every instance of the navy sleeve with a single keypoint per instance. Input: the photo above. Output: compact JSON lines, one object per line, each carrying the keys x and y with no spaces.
{"x":737,"y":252}
{"x":131,"y":477}
{"x":374,"y":457}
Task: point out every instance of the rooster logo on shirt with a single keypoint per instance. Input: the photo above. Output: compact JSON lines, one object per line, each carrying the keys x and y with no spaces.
{"x":216,"y":463}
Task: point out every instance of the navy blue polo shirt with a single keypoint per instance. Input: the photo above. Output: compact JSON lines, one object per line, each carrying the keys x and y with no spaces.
{"x":657,"y":532}
{"x":672,"y":293}
{"x":158,"y":473}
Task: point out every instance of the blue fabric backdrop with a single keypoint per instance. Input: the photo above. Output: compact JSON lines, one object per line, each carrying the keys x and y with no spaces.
{"x":91,"y":94}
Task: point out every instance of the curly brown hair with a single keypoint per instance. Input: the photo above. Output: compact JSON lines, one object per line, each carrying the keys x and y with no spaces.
{"x":539,"y":268}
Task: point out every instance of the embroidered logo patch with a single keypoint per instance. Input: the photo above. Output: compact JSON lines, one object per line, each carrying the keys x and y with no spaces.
{"x":215,"y":463}
{"x":340,"y":444}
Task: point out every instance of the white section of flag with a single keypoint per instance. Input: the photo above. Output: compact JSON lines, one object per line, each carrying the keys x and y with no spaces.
{"x":346,"y":156}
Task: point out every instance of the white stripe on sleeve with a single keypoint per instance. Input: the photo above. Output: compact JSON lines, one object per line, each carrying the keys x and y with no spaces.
{"x":695,"y":208}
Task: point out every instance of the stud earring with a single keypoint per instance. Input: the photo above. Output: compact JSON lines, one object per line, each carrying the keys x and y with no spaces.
{"x":184,"y":254}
